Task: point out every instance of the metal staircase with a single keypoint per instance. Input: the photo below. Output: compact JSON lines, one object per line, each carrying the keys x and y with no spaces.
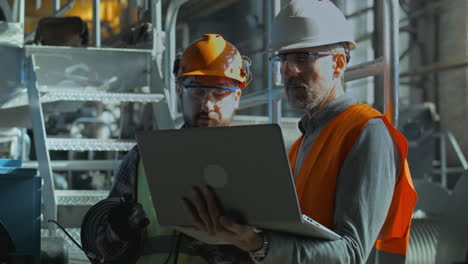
{"x":103,"y":74}
{"x":47,"y":76}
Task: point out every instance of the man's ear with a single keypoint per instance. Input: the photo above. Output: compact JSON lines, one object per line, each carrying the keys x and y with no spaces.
{"x":339,"y":65}
{"x":237,"y":96}
{"x":179,"y":91}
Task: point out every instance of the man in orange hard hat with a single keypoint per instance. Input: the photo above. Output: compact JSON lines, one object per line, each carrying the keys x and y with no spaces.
{"x":214,"y":63}
{"x":210,"y":75}
{"x":349,"y":165}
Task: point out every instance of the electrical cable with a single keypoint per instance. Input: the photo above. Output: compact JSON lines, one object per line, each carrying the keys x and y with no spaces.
{"x":177,"y":248}
{"x":172,"y":246}
{"x":91,"y":225}
{"x":88,"y":254}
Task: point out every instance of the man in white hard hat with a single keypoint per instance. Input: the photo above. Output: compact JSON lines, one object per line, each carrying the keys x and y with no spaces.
{"x":349,"y":165}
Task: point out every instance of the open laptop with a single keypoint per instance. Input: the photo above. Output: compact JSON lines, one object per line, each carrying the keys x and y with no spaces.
{"x":246,"y":165}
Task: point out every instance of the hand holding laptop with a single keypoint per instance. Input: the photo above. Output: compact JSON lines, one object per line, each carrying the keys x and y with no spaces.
{"x":207,"y":215}
{"x":261,"y":175}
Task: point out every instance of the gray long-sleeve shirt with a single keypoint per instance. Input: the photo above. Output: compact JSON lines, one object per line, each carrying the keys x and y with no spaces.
{"x":364,"y":192}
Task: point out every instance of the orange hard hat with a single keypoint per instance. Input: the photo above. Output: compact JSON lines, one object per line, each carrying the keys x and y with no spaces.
{"x":212,"y":56}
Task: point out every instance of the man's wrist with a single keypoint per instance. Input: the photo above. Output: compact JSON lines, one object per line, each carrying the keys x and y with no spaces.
{"x":261,"y":252}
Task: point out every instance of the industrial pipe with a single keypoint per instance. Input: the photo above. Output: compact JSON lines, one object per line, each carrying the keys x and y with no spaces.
{"x":171,"y":19}
{"x":391,"y":60}
{"x":97,"y":23}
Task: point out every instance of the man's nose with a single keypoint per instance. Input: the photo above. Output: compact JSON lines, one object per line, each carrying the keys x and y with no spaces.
{"x":289,"y":69}
{"x":208,"y":103}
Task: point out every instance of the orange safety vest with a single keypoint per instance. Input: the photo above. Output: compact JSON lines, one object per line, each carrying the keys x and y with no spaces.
{"x":316,"y":180}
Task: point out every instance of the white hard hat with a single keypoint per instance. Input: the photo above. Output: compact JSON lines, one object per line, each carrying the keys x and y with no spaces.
{"x":310,"y":23}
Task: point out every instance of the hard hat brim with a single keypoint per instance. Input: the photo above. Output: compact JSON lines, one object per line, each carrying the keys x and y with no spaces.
{"x":311,"y":44}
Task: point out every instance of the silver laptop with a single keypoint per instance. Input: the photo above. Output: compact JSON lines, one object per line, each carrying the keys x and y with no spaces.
{"x":246,"y":165}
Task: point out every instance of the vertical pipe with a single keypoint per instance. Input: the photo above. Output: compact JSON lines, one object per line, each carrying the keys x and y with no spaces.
{"x":167,"y":56}
{"x":162,"y":114}
{"x":378,"y":44}
{"x":270,"y":9}
{"x":277,"y":103}
{"x":443,"y":160}
{"x":185,"y":34}
{"x":277,"y":108}
{"x":267,"y":66}
{"x":156,"y":19}
{"x":395,"y":63}
{"x":22,"y":7}
{"x":170,"y":28}
{"x":276,"y":70}
{"x":97,"y":23}
{"x":56,"y":6}
{"x":15,"y":11}
{"x":25,"y":145}
{"x":391,"y":58}
{"x":170,"y":59}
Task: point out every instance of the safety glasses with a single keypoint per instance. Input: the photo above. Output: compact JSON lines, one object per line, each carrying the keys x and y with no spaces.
{"x":298,"y":58}
{"x":200,"y":92}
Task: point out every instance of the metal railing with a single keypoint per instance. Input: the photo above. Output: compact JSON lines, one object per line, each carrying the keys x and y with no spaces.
{"x":444,"y":170}
{"x":42,"y":153}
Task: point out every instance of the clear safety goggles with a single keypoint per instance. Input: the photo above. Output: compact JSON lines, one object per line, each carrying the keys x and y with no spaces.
{"x":200,"y":92}
{"x":299,"y":59}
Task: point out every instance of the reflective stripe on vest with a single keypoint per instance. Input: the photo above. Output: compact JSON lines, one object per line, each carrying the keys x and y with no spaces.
{"x":157,"y":234}
{"x":324,"y":161}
